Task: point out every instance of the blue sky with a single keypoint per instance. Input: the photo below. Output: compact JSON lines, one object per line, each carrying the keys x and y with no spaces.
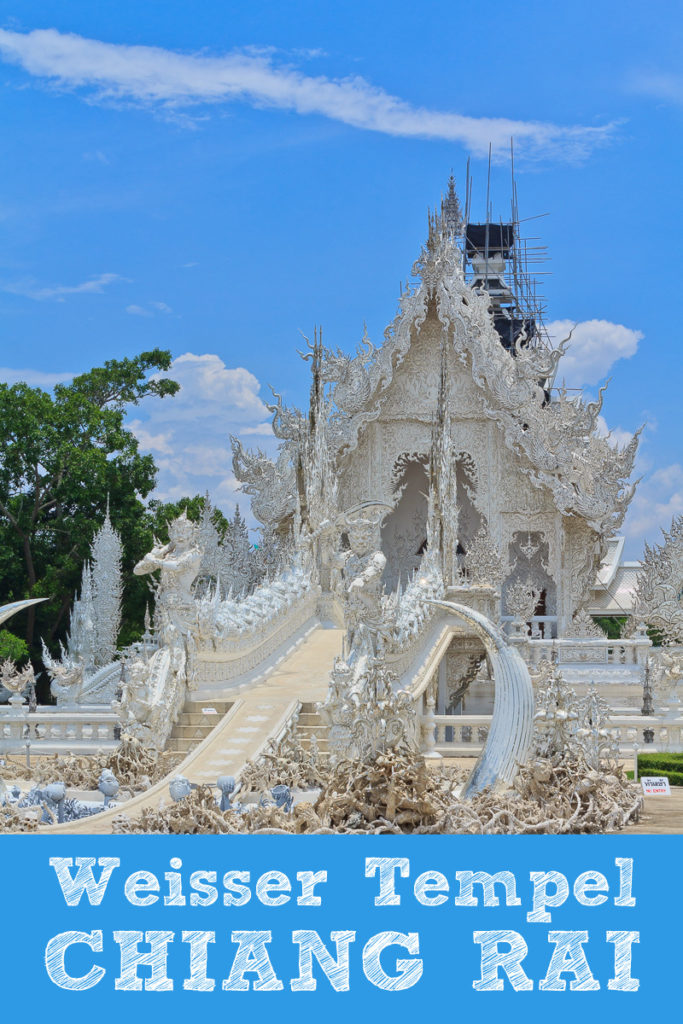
{"x":212,"y":178}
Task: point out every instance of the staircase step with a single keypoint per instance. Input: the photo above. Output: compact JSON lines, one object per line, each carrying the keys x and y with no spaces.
{"x":305,"y":744}
{"x":194,"y":707}
{"x":193,"y":725}
{"x":178,"y":745}
{"x":204,"y":720}
{"x":310,"y":723}
{"x":308,"y":718}
{"x":186,"y":731}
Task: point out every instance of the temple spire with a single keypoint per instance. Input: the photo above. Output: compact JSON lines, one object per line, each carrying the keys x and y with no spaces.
{"x":451,"y":213}
{"x":446,"y":222}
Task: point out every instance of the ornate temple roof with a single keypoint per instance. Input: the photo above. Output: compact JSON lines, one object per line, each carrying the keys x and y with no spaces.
{"x":586,"y":474}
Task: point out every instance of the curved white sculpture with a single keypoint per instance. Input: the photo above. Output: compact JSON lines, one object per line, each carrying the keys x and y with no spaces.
{"x":13,"y":680}
{"x":6,"y":610}
{"x":509,"y":739}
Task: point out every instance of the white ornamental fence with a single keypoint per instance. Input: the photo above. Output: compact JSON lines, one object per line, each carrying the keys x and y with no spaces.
{"x":588,"y":651}
{"x":49,"y":731}
{"x":465,"y":735}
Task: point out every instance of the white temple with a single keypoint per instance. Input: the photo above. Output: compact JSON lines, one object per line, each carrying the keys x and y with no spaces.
{"x":440,"y":468}
{"x":453,"y":410}
{"x":495,"y":480}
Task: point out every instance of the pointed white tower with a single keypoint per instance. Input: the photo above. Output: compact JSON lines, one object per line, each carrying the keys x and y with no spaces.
{"x":107,"y":587}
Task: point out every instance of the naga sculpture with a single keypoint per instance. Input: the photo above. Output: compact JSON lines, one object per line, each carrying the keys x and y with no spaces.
{"x":66,"y":673}
{"x":152,"y":695}
{"x":270,"y":484}
{"x":353,"y":377}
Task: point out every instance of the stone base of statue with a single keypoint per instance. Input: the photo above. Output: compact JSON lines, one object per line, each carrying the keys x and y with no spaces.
{"x":17,"y":705}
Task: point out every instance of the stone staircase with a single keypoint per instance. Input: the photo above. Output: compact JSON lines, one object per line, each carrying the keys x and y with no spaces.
{"x":195,"y":722}
{"x":254,"y":715}
{"x":310,"y":724}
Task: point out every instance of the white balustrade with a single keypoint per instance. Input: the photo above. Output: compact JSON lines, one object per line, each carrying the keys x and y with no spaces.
{"x":460,"y":735}
{"x":589,"y":650}
{"x":232,"y":656}
{"x":545,"y":625}
{"x":668,"y":732}
{"x":465,"y":735}
{"x":51,"y":731}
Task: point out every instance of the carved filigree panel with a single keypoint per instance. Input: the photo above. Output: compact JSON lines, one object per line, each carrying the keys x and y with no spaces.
{"x":533,"y":559}
{"x":415,"y":386}
{"x":582,"y":560}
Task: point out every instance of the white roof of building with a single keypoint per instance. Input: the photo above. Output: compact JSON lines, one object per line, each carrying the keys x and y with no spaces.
{"x":614,"y":587}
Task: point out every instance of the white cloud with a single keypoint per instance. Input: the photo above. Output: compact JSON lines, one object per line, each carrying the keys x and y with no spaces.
{"x":149,"y":309}
{"x":660,"y":85}
{"x":93,"y":286}
{"x":159,"y":444}
{"x":594,"y":348}
{"x":35,"y":378}
{"x":154,"y":76}
{"x":188,"y":434}
{"x":617,"y":436}
{"x":262,"y":429}
{"x":658,"y":498}
{"x":96,"y":155}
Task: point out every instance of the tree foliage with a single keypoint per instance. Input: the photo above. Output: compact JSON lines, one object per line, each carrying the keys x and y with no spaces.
{"x":162,"y":512}
{"x":12,"y":647}
{"x":611,"y":625}
{"x":62,"y":454}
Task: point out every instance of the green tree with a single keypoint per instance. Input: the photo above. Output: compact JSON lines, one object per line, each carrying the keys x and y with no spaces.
{"x":12,"y":647}
{"x":612,"y":625}
{"x":61,"y":456}
{"x":160,"y":514}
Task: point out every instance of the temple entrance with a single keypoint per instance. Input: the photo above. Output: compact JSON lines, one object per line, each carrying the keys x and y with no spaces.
{"x":404,"y":533}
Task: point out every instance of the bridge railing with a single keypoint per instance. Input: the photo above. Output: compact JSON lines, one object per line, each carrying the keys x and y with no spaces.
{"x":232,"y":657}
{"x":460,"y":735}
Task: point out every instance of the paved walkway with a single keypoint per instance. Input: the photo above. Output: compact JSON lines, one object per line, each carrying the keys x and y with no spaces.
{"x":256,"y":715}
{"x":263,"y":710}
{"x":662,"y":815}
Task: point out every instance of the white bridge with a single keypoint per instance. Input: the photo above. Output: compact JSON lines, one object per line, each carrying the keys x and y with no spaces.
{"x":245,"y":711}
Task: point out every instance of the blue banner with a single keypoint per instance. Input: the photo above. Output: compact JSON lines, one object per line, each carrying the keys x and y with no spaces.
{"x":118,"y":928}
